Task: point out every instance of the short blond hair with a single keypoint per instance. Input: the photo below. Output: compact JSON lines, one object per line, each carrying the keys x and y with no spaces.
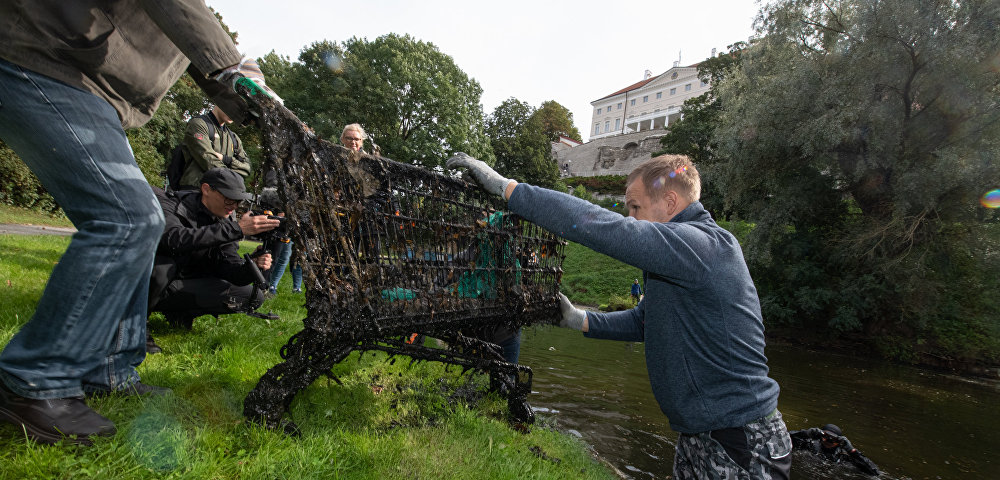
{"x":669,"y":172}
{"x":357,"y":128}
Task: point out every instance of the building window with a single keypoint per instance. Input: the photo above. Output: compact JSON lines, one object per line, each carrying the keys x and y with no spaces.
{"x":659,"y":95}
{"x":704,"y":83}
{"x":645,"y":98}
{"x":597,"y":128}
{"x":674,"y":75}
{"x":619,"y":105}
{"x":687,"y":88}
{"x":607,"y":127}
{"x":632,"y":103}
{"x":598,"y":111}
{"x":618,"y":124}
{"x":673,"y":91}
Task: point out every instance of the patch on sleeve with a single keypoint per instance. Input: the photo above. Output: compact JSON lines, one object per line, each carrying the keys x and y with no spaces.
{"x":198,"y":136}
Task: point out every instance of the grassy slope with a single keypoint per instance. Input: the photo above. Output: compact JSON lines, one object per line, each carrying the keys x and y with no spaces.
{"x":9,"y":214}
{"x":385,"y":421}
{"x":591,"y":278}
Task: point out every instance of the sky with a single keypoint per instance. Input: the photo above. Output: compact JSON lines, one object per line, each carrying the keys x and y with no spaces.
{"x":573,"y":52}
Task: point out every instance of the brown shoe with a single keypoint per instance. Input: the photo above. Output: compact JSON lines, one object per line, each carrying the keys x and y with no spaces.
{"x":52,"y":420}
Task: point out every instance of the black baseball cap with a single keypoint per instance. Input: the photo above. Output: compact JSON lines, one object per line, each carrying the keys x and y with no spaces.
{"x":227,"y":182}
{"x":831,"y":428}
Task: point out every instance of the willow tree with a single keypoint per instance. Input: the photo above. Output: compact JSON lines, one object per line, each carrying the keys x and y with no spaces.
{"x":857,"y":136}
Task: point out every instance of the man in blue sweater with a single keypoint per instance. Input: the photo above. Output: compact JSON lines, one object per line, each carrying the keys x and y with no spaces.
{"x":700,"y":317}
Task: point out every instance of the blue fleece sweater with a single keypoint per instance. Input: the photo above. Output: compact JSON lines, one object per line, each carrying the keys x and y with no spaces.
{"x":700,"y":318}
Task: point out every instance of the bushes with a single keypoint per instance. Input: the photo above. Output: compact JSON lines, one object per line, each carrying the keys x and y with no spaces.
{"x":605,"y":184}
{"x":19,"y":187}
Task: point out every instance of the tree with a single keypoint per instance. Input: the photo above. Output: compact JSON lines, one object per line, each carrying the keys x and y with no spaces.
{"x":858,"y":135}
{"x":694,"y":134}
{"x":411,"y":98}
{"x":556,"y":120}
{"x":522,"y":150}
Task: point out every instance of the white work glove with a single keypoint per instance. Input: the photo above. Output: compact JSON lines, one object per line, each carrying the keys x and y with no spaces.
{"x":247,"y":73}
{"x":491,"y":181}
{"x":572,"y":317}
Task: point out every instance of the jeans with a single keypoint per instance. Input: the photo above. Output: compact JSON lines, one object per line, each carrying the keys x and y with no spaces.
{"x":511,"y":347}
{"x":282,"y":255}
{"x":88,"y":331}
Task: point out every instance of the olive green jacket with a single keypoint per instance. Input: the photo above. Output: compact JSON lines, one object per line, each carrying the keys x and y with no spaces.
{"x":202,"y":149}
{"x":128,"y":52}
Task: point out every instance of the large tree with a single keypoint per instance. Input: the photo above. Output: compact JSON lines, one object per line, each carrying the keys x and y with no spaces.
{"x":556,"y":120}
{"x":412,"y":99}
{"x":694,"y":134}
{"x":518,"y":140}
{"x":858,"y":135}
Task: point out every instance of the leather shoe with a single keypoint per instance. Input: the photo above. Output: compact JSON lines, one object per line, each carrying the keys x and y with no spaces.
{"x":52,"y":420}
{"x":134,"y":390}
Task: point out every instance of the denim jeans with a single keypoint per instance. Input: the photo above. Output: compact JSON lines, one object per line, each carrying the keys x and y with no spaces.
{"x":511,"y":347}
{"x":282,"y":255}
{"x":89,"y":328}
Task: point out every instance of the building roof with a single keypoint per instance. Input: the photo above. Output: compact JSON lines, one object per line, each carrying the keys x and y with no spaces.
{"x":642,"y":83}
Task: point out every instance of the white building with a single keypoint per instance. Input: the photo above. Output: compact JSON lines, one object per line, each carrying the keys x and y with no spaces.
{"x":651,"y":104}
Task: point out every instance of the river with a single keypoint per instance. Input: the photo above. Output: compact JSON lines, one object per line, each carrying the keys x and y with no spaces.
{"x":913,"y":423}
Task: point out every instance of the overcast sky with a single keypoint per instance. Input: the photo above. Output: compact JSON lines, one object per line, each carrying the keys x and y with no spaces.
{"x":573,"y":52}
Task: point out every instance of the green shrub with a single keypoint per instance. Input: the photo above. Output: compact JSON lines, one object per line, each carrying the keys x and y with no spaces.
{"x":19,"y":186}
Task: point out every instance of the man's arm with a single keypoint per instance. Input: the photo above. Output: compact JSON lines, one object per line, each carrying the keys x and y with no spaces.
{"x":672,"y":250}
{"x":240,"y":162}
{"x":195,"y":31}
{"x":626,"y":325}
{"x":180,"y":237}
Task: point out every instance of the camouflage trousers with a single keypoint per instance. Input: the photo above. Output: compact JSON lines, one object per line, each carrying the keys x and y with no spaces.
{"x":759,"y":450}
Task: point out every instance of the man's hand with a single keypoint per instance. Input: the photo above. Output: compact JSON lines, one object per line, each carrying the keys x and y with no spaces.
{"x":263,"y":262}
{"x":491,"y":181}
{"x":248,"y":74}
{"x":254,"y":224}
{"x":572,"y":317}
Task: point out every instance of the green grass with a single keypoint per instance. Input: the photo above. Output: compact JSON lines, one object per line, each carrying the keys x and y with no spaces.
{"x":387,"y":420}
{"x":591,"y":278}
{"x":9,"y":214}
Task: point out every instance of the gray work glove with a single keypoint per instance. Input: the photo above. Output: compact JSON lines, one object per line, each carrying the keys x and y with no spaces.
{"x":491,"y":181}
{"x":572,"y":317}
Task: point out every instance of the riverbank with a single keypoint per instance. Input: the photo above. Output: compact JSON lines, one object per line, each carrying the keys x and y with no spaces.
{"x":382,"y":420}
{"x":858,"y":346}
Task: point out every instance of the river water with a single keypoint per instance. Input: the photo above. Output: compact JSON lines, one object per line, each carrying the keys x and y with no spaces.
{"x":913,"y":423}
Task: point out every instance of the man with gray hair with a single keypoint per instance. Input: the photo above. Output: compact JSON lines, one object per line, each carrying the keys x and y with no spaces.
{"x":700,"y":317}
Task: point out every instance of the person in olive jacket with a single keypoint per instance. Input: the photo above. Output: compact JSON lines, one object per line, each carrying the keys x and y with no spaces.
{"x":210,"y":143}
{"x":73,"y":76}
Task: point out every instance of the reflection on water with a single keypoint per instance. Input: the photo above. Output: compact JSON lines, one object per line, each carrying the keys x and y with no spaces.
{"x":910,"y":422}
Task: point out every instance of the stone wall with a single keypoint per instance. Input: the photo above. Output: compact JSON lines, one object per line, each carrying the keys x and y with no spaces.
{"x":616,"y":155}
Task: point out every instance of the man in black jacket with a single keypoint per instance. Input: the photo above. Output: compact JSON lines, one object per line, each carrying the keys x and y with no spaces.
{"x":831,"y":443}
{"x":198,"y":269}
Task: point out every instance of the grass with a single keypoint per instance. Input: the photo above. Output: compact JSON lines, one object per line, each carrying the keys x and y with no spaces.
{"x":9,"y":214}
{"x":387,"y":420}
{"x":594,"y":279}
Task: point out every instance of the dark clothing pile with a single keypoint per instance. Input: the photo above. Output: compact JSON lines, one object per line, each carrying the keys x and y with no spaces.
{"x":838,"y":448}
